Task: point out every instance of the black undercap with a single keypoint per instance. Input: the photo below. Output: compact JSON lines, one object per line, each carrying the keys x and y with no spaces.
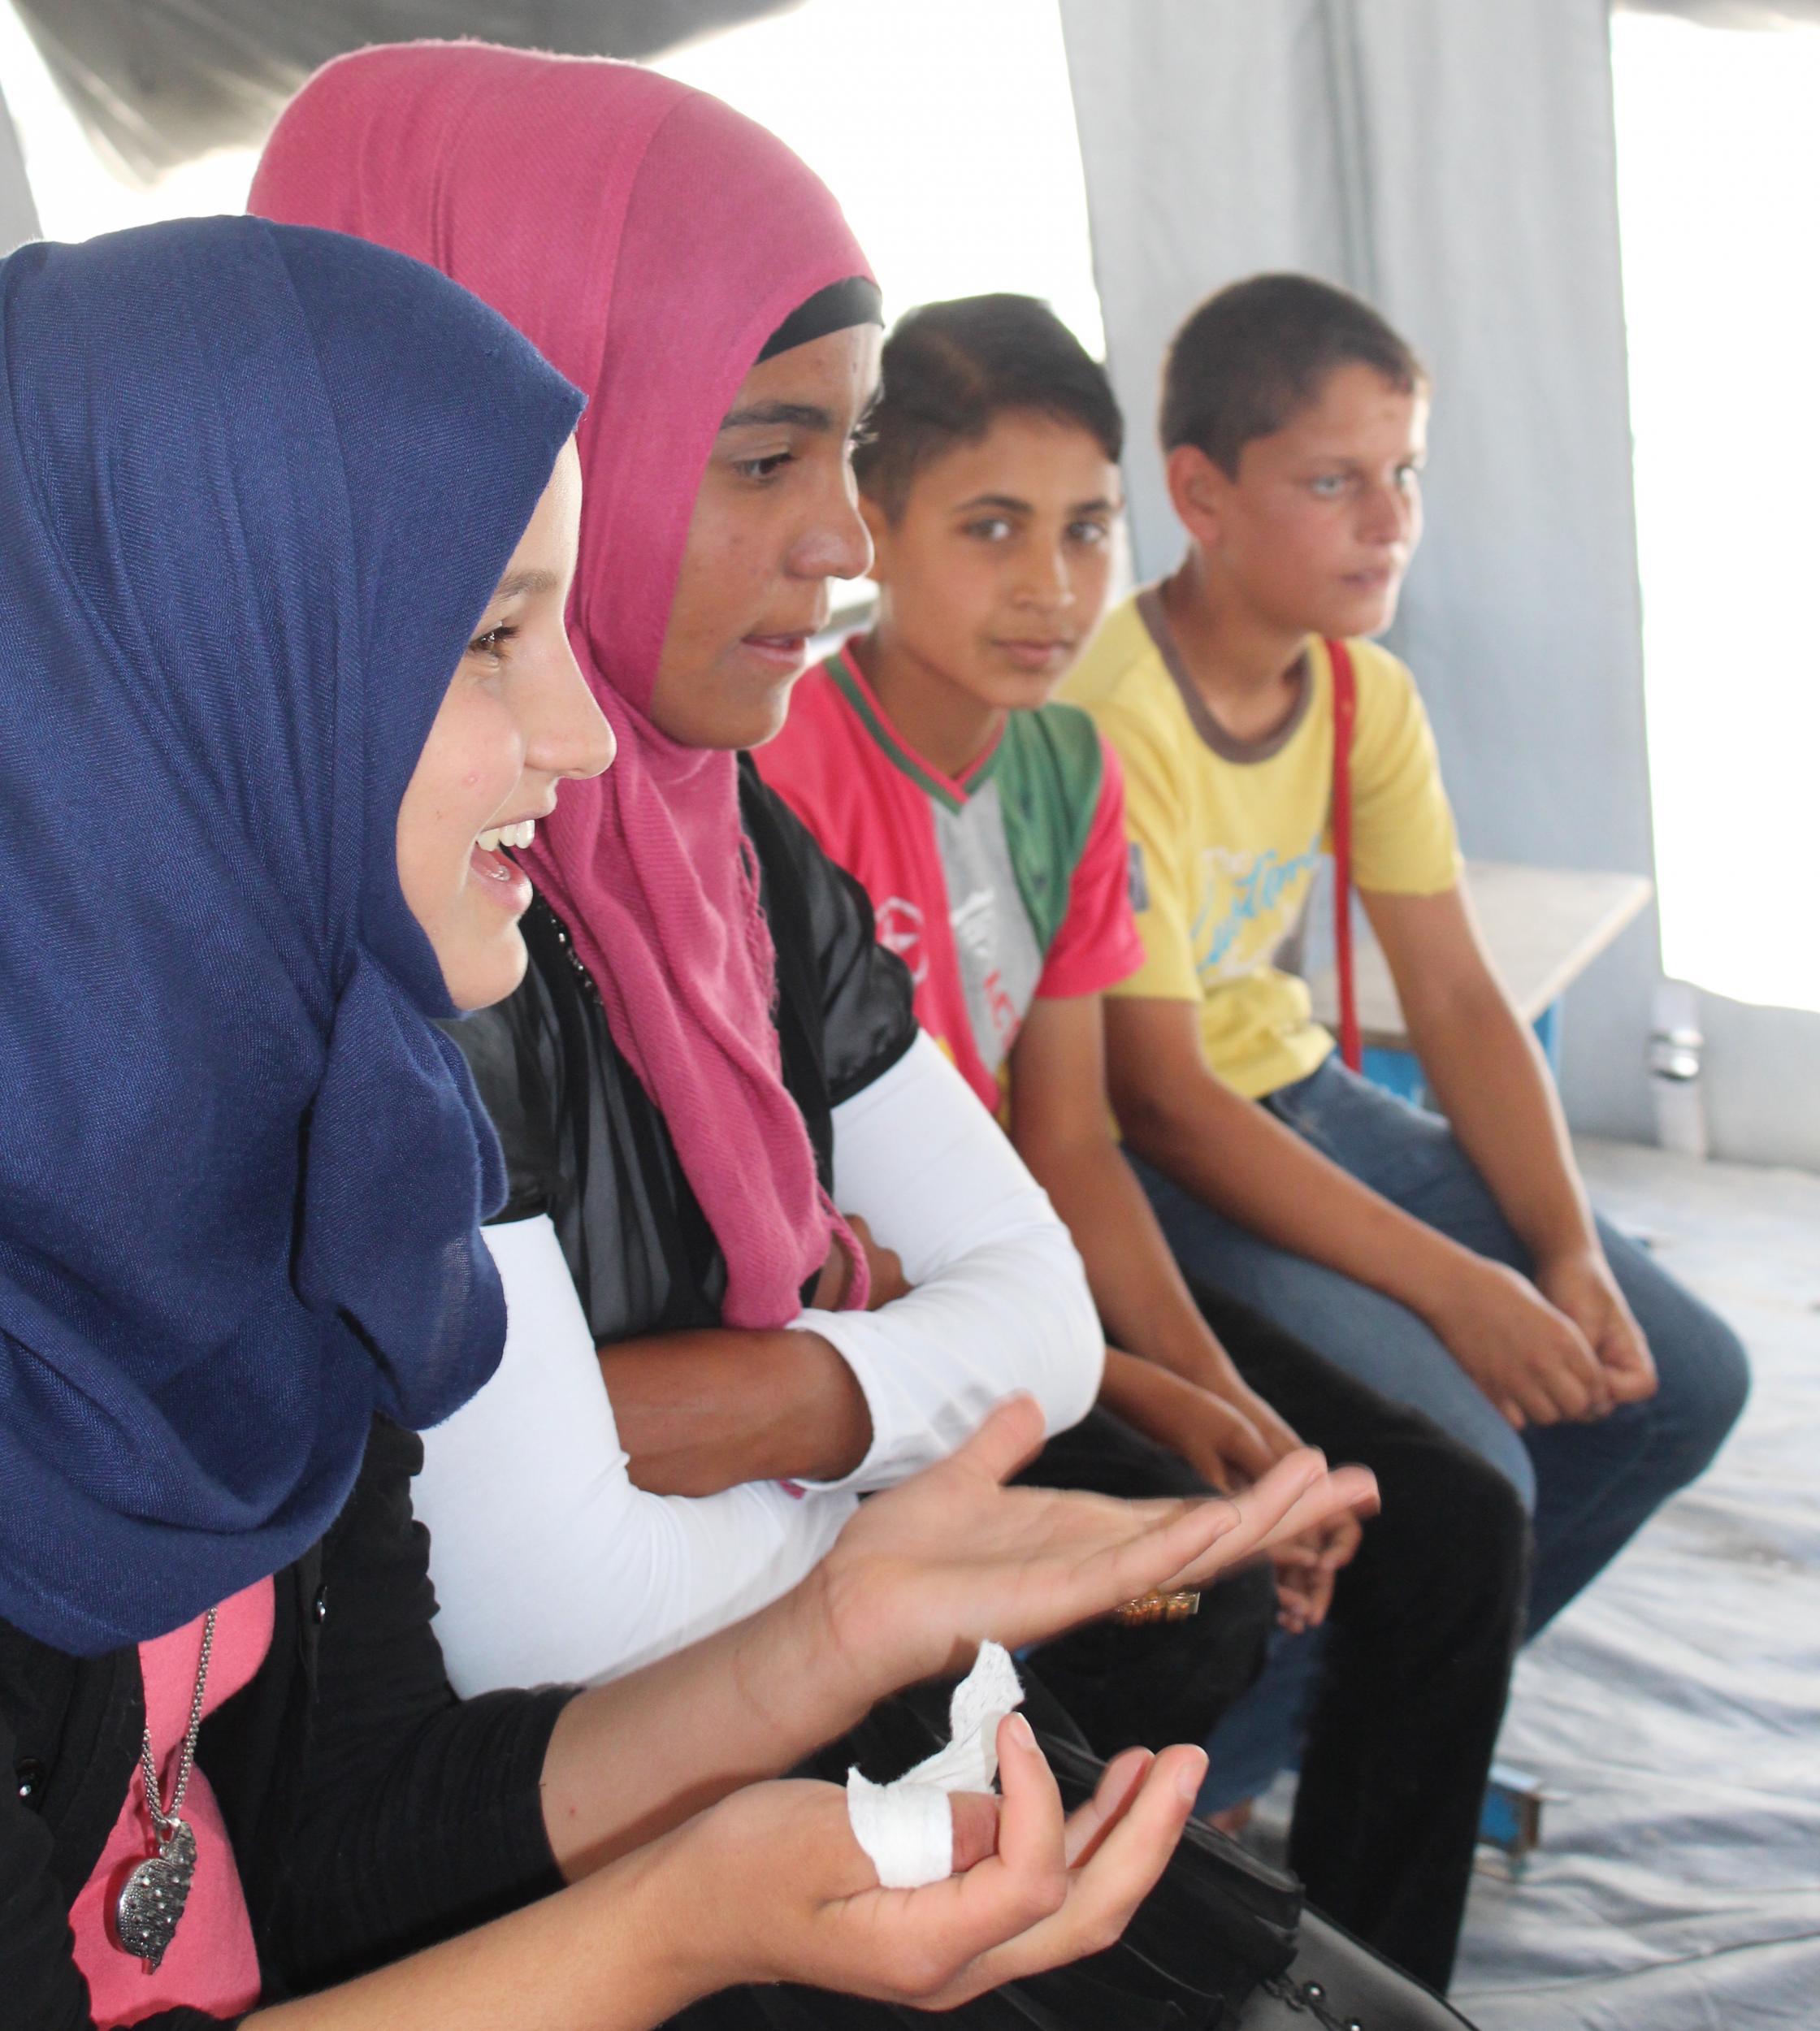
{"x":838,"y":308}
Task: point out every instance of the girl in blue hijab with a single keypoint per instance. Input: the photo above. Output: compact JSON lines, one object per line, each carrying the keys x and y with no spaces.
{"x":256,"y":488}
{"x":287,"y":528}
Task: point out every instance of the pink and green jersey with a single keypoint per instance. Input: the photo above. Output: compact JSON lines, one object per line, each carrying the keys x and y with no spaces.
{"x":993,"y":887}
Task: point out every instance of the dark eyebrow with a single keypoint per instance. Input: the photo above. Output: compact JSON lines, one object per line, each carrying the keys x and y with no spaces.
{"x":1348,"y":463}
{"x":790,"y":415}
{"x":1012,"y":505}
{"x":523,"y":582}
{"x":1009,"y":502}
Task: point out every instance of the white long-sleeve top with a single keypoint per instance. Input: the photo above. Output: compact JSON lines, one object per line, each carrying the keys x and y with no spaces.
{"x":548,"y":1563}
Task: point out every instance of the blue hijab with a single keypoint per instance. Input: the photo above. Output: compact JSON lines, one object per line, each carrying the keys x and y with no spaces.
{"x":257,"y":485}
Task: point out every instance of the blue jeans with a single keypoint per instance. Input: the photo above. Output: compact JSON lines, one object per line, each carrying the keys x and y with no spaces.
{"x":1590,"y":1487}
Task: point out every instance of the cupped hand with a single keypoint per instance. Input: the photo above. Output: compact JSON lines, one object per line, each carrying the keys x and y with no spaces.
{"x":787,"y":1894}
{"x":1531,"y":1359}
{"x":1580,"y":1285}
{"x":923,"y":1573}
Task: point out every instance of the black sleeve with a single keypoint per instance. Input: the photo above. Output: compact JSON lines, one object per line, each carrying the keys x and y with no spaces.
{"x":418,"y":1815}
{"x":867,"y":1020}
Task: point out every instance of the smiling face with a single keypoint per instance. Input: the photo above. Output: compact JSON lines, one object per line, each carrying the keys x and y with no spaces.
{"x":517,"y":717}
{"x":996,"y":570}
{"x":776,"y":518}
{"x":1316,"y":532}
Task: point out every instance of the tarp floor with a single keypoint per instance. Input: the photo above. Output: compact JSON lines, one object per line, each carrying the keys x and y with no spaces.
{"x":1673,"y":1713}
{"x":1676,"y":1706}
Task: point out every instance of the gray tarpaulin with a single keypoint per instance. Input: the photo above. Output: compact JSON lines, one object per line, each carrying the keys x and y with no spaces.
{"x":159,"y":81}
{"x":18,"y":217}
{"x":1455,"y":163}
{"x":1673,"y":1707}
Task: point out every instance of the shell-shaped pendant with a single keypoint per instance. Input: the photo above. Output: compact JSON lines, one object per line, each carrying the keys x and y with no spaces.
{"x":153,"y":1897}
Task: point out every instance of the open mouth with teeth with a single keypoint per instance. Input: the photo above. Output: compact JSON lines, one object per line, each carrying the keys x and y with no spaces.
{"x":519,"y":836}
{"x":492,"y":865}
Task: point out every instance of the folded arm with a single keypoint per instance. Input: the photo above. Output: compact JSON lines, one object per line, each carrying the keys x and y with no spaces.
{"x":999,"y":1302}
{"x":550,"y":1563}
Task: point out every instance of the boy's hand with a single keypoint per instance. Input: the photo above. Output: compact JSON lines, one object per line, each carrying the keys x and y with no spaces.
{"x":1278,"y":1440}
{"x":1207,"y":1417}
{"x":1231,"y":1439}
{"x":1308,"y":1570}
{"x":1580,"y":1284}
{"x":1534,"y":1361}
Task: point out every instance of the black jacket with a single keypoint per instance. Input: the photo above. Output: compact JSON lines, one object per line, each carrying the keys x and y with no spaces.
{"x":584,"y":1144}
{"x":371,"y":1812}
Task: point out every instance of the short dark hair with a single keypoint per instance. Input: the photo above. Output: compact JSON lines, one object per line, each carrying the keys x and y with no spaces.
{"x":1258,"y":352}
{"x":951,"y":370}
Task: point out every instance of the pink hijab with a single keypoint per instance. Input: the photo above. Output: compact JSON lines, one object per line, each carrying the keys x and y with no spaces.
{"x":648,"y":239}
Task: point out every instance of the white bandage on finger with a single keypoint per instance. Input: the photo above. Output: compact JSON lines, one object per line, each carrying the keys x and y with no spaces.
{"x":907,"y":1827}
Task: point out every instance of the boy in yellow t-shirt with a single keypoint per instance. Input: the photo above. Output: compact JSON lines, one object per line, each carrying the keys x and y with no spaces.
{"x":1455,"y":1264}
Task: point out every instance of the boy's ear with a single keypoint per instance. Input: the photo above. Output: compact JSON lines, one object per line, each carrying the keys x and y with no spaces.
{"x":878,"y":527}
{"x":1197,"y":490}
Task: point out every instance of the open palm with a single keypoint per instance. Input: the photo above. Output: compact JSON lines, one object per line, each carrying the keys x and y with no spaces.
{"x":922,"y":1574}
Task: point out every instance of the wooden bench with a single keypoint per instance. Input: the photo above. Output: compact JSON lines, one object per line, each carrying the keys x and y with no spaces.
{"x":1543,"y":927}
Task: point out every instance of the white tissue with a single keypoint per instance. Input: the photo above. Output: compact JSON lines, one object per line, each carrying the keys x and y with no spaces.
{"x":906,"y":1827}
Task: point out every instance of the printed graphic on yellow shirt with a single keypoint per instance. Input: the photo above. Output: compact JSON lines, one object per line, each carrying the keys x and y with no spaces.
{"x":1249,"y":904}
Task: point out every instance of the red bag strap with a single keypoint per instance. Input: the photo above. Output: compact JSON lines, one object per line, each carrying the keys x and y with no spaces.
{"x":1346,"y":711}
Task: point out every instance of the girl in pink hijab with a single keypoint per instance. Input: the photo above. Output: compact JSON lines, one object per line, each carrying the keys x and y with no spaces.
{"x":710,"y":1039}
{"x":600,"y":207}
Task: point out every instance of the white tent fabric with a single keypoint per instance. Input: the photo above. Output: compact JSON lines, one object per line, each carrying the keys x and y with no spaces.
{"x":158,"y":82}
{"x":18,"y":217}
{"x":1456,"y":165}
{"x":1730,"y":14}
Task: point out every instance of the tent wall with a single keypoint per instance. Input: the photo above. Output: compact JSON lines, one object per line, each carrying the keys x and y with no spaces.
{"x":1457,"y":165}
{"x":1761,"y":1075}
{"x":157,"y":82}
{"x":18,"y":217}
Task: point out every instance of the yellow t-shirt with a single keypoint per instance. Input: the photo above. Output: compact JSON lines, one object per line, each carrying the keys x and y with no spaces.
{"x":1226,"y":835}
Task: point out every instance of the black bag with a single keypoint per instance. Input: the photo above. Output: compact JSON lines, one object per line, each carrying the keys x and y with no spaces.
{"x":1227,"y":1939}
{"x":1335,"y":1984}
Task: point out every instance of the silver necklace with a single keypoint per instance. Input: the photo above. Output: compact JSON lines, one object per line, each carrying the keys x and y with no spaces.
{"x":154,"y":1892}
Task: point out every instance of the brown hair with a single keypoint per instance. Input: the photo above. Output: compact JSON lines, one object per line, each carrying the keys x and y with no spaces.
{"x":1258,"y":352}
{"x":950,"y":369}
